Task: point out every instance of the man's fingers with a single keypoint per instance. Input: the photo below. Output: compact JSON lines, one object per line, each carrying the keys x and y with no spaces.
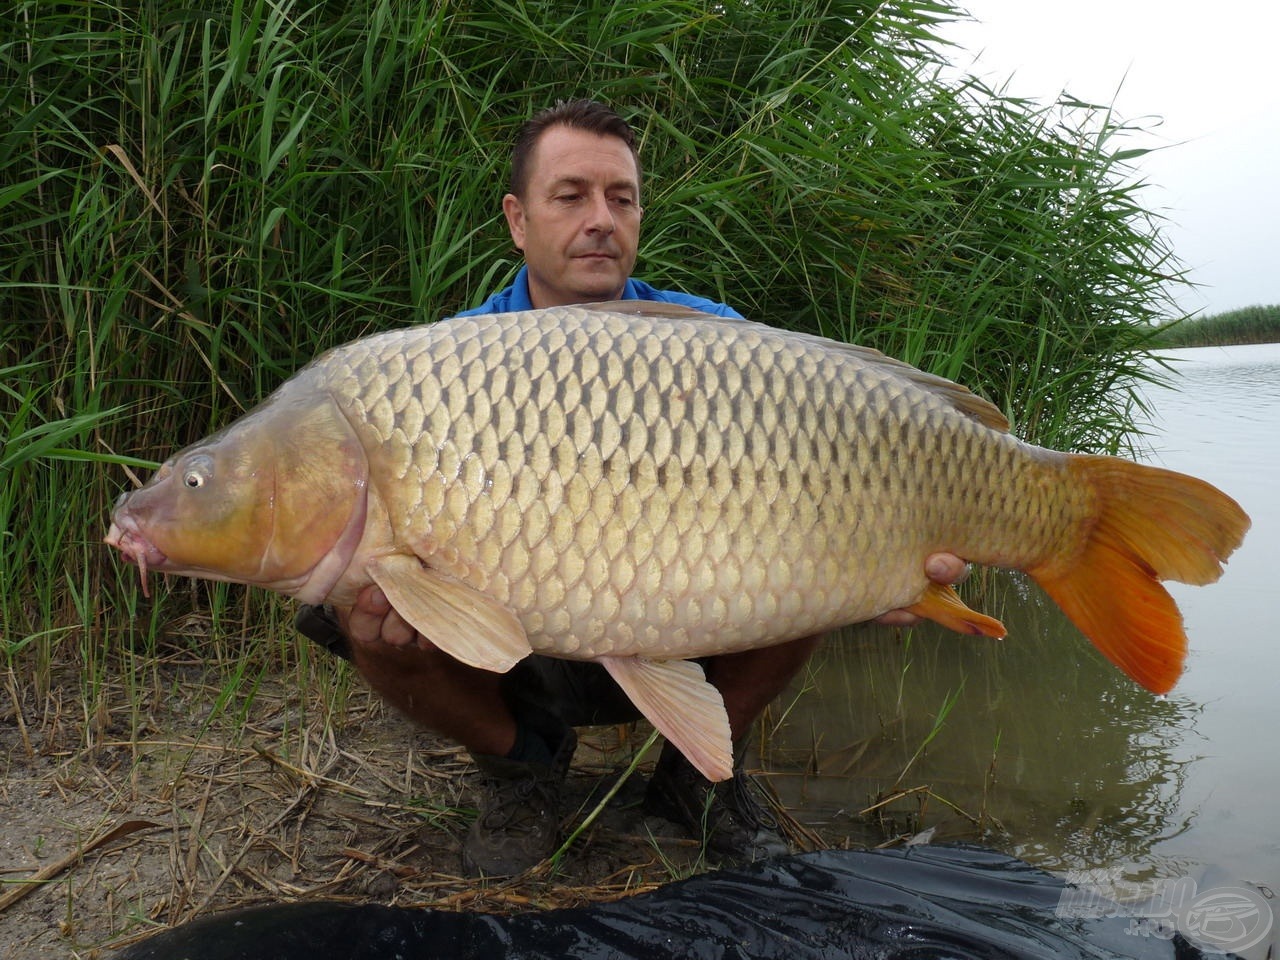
{"x":372,"y":601}
{"x":373,"y":620}
{"x":396,"y":632}
{"x":945,"y":568}
{"x":897,"y":618}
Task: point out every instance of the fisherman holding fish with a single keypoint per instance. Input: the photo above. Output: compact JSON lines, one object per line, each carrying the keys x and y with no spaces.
{"x":574,"y":211}
{"x":680,"y":499}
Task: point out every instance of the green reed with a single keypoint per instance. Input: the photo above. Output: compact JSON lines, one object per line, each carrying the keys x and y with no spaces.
{"x":195,"y":200}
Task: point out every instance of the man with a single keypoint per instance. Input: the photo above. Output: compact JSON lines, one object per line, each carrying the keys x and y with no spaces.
{"x":574,"y":211}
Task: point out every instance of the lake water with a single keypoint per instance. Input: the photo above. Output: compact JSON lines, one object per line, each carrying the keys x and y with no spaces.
{"x":1039,"y":747}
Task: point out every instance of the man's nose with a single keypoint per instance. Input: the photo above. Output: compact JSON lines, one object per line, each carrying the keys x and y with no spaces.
{"x":599,"y":216}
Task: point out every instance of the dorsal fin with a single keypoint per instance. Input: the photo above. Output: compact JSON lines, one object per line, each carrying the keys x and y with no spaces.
{"x":962,"y":398}
{"x":651,"y":308}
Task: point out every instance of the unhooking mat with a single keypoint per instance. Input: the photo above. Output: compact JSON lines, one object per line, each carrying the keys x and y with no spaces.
{"x":919,"y":902}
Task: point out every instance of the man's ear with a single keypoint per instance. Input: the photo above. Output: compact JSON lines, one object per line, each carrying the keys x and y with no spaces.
{"x":513,"y":210}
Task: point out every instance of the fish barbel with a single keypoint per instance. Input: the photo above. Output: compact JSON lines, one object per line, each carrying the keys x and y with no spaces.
{"x":639,"y":485}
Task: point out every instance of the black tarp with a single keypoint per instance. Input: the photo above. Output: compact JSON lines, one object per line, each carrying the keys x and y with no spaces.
{"x":919,"y":902}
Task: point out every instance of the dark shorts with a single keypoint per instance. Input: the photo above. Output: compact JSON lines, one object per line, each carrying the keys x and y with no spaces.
{"x":580,"y":693}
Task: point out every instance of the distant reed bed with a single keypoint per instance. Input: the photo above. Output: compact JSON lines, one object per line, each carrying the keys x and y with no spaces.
{"x":1257,"y":324}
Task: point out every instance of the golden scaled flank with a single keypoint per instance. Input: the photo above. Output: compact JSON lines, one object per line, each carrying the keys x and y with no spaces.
{"x":620,"y":483}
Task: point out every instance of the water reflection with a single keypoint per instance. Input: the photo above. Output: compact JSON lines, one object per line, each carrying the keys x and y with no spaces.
{"x":1044,"y":746}
{"x":1046,"y":750}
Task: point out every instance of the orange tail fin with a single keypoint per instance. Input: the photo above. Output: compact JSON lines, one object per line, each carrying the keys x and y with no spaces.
{"x":1152,"y":525}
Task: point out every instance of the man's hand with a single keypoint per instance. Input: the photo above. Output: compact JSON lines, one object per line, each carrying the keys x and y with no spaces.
{"x":944,"y":568}
{"x":372,"y":619}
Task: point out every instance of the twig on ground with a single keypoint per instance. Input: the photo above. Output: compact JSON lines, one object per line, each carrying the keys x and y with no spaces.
{"x":41,"y":877}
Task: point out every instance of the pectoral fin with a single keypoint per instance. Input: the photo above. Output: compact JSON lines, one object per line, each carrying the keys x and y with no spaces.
{"x":675,"y":697}
{"x":460,"y":620}
{"x":944,"y":605}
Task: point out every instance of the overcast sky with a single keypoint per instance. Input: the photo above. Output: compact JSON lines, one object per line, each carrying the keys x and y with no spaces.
{"x":1208,"y":75}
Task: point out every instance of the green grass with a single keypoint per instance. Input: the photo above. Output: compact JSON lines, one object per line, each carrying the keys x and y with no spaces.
{"x":196,"y":200}
{"x":1255,"y":324}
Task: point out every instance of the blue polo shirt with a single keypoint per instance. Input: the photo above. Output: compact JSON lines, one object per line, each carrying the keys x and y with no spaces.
{"x":516,"y":297}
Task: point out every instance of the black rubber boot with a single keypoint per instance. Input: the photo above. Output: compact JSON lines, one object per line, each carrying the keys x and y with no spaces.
{"x":520,"y":809}
{"x":730,"y":818}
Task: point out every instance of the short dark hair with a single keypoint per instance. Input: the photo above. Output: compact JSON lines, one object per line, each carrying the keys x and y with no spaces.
{"x":588,"y":115}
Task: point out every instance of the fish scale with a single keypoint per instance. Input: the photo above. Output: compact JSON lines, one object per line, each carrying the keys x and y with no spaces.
{"x":639,"y":484}
{"x":654,"y":464}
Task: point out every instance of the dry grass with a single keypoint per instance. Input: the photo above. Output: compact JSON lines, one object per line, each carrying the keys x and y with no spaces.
{"x":277,"y":800}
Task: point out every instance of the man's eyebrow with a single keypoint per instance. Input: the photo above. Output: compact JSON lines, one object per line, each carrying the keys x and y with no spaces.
{"x":572,"y":181}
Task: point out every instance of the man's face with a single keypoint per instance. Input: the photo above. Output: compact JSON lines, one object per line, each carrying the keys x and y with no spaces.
{"x":579,"y":221}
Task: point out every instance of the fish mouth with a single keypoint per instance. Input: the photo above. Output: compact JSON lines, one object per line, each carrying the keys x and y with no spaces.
{"x":125,"y":536}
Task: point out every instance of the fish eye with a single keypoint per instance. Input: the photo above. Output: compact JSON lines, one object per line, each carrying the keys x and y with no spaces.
{"x":196,"y":472}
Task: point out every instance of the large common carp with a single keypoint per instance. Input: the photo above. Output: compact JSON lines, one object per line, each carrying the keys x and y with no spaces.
{"x":638,"y":484}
